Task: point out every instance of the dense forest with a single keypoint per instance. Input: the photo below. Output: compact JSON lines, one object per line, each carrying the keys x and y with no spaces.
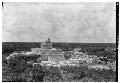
{"x":17,"y":69}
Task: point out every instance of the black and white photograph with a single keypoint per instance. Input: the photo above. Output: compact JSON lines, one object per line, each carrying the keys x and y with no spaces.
{"x":60,"y":41}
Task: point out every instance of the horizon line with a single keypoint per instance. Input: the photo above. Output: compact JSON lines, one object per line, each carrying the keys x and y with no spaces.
{"x":59,"y":42}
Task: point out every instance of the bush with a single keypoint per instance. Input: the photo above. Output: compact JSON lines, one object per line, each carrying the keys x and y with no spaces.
{"x":86,"y":79}
{"x":54,"y":71}
{"x":75,"y":72}
{"x":52,"y":78}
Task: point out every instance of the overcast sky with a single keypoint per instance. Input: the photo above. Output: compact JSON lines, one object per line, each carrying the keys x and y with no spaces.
{"x":62,"y":22}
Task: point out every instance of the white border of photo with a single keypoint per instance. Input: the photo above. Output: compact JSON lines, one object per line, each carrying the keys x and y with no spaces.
{"x":121,"y":57}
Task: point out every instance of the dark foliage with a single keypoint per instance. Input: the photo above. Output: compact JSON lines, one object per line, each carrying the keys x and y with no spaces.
{"x":18,"y":70}
{"x":95,"y":75}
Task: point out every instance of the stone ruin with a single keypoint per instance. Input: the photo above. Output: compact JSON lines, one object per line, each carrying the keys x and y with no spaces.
{"x":46,"y":49}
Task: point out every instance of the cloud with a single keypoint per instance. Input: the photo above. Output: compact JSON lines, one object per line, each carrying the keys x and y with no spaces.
{"x":62,"y":22}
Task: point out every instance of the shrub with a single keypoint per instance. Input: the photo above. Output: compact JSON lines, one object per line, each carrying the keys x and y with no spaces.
{"x":75,"y":72}
{"x":52,"y":78}
{"x":86,"y":79}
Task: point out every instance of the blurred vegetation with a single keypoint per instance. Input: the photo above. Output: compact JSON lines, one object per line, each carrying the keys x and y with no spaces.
{"x":97,"y":49}
{"x":9,"y":47}
{"x":18,"y":70}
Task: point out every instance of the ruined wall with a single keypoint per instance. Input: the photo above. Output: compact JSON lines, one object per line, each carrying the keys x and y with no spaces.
{"x":56,"y":56}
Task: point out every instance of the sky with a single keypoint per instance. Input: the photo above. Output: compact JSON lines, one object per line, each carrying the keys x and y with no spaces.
{"x":81,"y":22}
